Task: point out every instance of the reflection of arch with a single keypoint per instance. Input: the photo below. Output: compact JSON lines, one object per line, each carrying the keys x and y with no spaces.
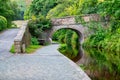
{"x":79,"y":33}
{"x":78,"y":28}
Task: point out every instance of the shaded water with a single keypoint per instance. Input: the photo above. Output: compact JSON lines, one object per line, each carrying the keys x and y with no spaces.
{"x":99,"y":65}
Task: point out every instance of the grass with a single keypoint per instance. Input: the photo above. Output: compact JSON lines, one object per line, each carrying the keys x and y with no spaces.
{"x":30,"y":49}
{"x":12,"y":50}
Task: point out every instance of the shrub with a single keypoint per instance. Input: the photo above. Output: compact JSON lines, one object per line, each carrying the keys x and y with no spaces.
{"x":62,"y":38}
{"x":3,"y":23}
{"x":34,"y":41}
{"x":62,"y":48}
{"x":38,"y":25}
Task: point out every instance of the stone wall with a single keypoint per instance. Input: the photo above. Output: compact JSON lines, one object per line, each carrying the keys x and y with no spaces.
{"x":63,"y":21}
{"x":91,"y":17}
{"x":71,"y":19}
{"x":70,"y":23}
{"x":22,"y":40}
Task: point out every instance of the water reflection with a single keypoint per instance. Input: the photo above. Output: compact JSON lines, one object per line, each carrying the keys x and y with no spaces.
{"x":99,"y":64}
{"x":79,"y":55}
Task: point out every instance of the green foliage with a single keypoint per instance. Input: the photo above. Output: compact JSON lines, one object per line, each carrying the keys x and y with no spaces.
{"x":89,"y":7}
{"x":64,"y":8}
{"x":110,"y":7}
{"x":60,"y":8}
{"x":37,"y":26}
{"x":59,"y":35}
{"x":3,"y":23}
{"x":16,"y":10}
{"x":62,"y":38}
{"x":99,"y":33}
{"x":62,"y":48}
{"x":79,"y":19}
{"x":13,"y":25}
{"x":34,"y":41}
{"x":103,"y":61}
{"x":6,"y":10}
{"x":107,"y":39}
{"x":20,"y":10}
{"x":75,"y":43}
{"x":56,"y":12}
{"x":32,"y":48}
{"x":40,"y":7}
{"x":10,"y":10}
{"x":70,"y":7}
{"x":69,"y":42}
{"x":12,"y":50}
{"x":27,"y":14}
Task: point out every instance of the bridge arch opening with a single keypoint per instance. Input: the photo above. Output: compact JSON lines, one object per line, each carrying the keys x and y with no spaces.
{"x":70,"y":46}
{"x":80,"y":35}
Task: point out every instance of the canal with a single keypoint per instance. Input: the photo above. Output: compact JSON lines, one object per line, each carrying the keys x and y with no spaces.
{"x":99,"y":64}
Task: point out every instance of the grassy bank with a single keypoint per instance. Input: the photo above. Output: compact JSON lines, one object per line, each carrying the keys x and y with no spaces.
{"x":30,"y":49}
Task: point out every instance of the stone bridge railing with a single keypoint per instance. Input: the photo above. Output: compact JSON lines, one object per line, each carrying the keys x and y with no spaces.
{"x":22,"y":40}
{"x":73,"y":19}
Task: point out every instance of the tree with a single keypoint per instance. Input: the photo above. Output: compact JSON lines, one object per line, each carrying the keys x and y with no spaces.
{"x":41,"y":7}
{"x":9,"y":9}
{"x":6,"y":10}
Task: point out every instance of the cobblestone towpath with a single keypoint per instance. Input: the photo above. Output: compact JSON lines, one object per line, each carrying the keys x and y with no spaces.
{"x":6,"y":41}
{"x":45,"y":64}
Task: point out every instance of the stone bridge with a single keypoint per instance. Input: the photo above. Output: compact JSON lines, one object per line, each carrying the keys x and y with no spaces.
{"x":76,"y":27}
{"x":22,"y":39}
{"x":68,"y":23}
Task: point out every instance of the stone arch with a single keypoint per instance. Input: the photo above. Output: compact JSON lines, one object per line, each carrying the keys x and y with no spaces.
{"x":77,"y":28}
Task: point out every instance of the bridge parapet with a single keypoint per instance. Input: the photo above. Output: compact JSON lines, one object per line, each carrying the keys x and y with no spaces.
{"x":91,"y":17}
{"x":63,"y":21}
{"x":75,"y":19}
{"x":22,"y":40}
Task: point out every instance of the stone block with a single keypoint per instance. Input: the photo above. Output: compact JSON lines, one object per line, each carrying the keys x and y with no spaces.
{"x":22,"y":40}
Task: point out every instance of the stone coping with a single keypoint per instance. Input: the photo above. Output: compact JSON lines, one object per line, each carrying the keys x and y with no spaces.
{"x":21,"y":32}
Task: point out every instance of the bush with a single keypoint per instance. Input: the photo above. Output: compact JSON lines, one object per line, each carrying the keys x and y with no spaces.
{"x":34,"y":41}
{"x":3,"y":23}
{"x":38,"y":25}
{"x":62,"y":48}
{"x":62,"y":38}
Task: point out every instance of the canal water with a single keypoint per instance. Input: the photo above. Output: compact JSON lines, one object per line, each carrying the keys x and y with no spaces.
{"x":99,"y":64}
